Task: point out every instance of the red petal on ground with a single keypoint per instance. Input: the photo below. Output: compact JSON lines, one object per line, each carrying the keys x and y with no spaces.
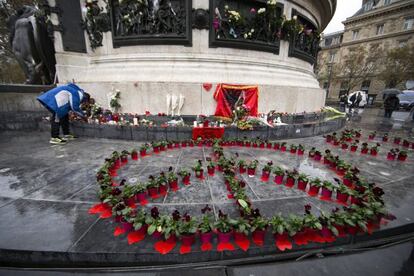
{"x":283,"y":244}
{"x":119,"y":231}
{"x":143,"y":202}
{"x":164,"y":247}
{"x":185,"y":249}
{"x":106,"y":214}
{"x":135,"y":236}
{"x":258,"y":241}
{"x":223,"y":246}
{"x":98,"y":208}
{"x":300,"y":239}
{"x":206,"y":246}
{"x":243,"y":243}
{"x":230,"y":196}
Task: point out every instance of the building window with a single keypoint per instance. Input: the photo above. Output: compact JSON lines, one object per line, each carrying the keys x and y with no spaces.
{"x":402,"y":43}
{"x":365,"y":85}
{"x":355,"y":34}
{"x":380,"y":29}
{"x":408,"y":23}
{"x":325,"y":85}
{"x":332,"y":57}
{"x":368,"y":6}
{"x":387,"y":2}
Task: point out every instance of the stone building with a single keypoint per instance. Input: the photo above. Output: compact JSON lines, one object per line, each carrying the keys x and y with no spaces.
{"x":385,"y":24}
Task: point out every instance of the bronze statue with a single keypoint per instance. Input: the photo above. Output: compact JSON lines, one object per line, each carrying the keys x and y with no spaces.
{"x":32,"y":45}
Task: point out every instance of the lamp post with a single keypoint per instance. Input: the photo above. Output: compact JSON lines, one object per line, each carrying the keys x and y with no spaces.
{"x":330,"y":65}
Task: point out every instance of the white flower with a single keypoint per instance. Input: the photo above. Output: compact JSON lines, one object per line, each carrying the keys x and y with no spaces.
{"x":271,"y":2}
{"x":261,"y":10}
{"x":252,"y":30}
{"x":245,"y":35}
{"x":295,"y":17}
{"x":226,"y":7}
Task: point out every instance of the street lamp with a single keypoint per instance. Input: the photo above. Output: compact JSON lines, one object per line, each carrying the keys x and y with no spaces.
{"x":330,"y":65}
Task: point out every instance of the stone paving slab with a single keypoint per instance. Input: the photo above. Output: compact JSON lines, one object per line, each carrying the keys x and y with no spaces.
{"x":45,"y":191}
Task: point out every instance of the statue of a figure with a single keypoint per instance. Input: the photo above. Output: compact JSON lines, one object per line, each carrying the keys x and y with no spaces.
{"x":32,"y":46}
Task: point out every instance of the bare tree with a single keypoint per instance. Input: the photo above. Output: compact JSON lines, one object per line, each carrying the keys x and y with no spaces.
{"x":398,"y":67}
{"x":357,"y":65}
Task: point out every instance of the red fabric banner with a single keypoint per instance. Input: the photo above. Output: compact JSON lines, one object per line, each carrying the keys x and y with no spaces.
{"x":226,"y":96}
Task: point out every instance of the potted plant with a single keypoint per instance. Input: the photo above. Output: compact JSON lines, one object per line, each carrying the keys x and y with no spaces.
{"x":198,"y":169}
{"x":258,"y":227}
{"x":385,"y":137}
{"x":328,"y":138}
{"x":266,"y":171}
{"x":301,"y":149}
{"x":116,"y":159}
{"x":392,"y":154}
{"x":279,"y":227}
{"x":140,"y":192}
{"x":314,"y":187}
{"x":283,"y":146}
{"x":312,"y":153}
{"x":156,"y":147}
{"x":336,"y":141}
{"x":344,"y":146}
{"x":397,"y":140}
{"x":269,"y":145}
{"x":342,"y":193}
{"x":302,"y":181}
{"x":293,"y":148}
{"x":134,"y":154}
{"x":185,"y":176}
{"x":276,"y":146}
{"x":224,"y":226}
{"x":242,"y":166}
{"x":143,"y":150}
{"x":241,"y":229}
{"x":348,"y":178}
{"x":211,"y":168}
{"x":358,"y":133}
{"x":170,"y":145}
{"x":291,"y":178}
{"x":374,"y":150}
{"x":172,"y":179}
{"x":128,"y":194}
{"x":311,"y":224}
{"x":124,"y":157}
{"x":155,"y":223}
{"x":187,"y":228}
{"x":354,"y":146}
{"x":162,"y":183}
{"x":402,"y":155}
{"x":206,"y":225}
{"x":152,"y":186}
{"x":279,"y":174}
{"x":184,"y":144}
{"x":138,"y":222}
{"x":406,"y":143}
{"x":372,"y":135}
{"x":295,"y":226}
{"x":327,"y":188}
{"x":364,"y":148}
{"x":317,"y":156}
{"x":251,"y":168}
{"x":341,"y":167}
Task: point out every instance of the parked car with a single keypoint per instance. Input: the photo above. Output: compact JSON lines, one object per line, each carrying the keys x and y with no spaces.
{"x":406,"y":99}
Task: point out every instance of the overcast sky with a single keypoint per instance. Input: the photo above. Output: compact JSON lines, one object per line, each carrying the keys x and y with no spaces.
{"x":344,"y":9}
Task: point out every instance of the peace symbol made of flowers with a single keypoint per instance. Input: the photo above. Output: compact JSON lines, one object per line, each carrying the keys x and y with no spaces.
{"x":363,"y":208}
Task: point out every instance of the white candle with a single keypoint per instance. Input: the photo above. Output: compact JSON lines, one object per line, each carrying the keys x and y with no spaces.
{"x":195,"y":124}
{"x":135,"y":121}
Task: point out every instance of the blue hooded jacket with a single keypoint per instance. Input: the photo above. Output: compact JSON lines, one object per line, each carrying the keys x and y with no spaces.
{"x":62,"y":99}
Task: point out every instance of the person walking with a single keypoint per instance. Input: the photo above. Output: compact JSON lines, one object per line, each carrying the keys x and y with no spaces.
{"x":60,"y":101}
{"x":391,"y":104}
{"x":343,"y":102}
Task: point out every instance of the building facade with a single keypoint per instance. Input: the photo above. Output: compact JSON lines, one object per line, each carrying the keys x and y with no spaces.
{"x":382,"y":24}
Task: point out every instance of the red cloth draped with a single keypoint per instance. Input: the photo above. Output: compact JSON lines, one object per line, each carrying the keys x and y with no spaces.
{"x":225,"y":108}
